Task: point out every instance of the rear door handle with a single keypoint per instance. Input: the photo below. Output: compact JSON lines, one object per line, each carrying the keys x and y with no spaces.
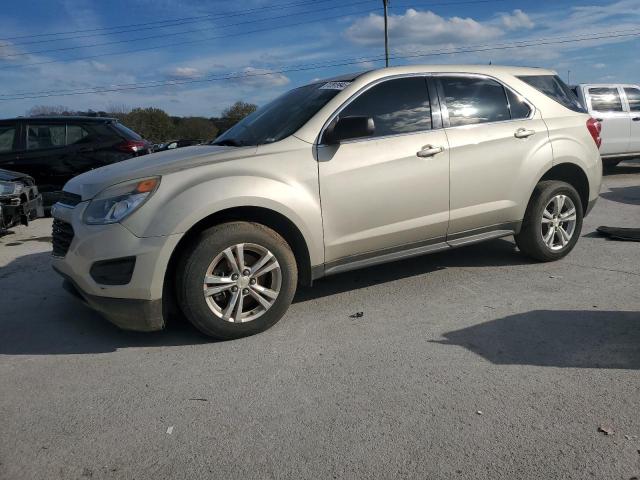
{"x":429,"y":151}
{"x":524,"y":133}
{"x":636,"y":119}
{"x":599,"y":119}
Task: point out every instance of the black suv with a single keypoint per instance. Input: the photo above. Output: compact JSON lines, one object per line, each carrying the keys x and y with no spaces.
{"x":52,"y":150}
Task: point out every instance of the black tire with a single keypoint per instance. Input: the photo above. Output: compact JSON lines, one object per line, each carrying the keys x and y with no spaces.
{"x":529,"y":240}
{"x":196,"y":259}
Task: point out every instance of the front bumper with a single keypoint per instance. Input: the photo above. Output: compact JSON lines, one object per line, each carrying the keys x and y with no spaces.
{"x":20,"y":212}
{"x":136,"y":305}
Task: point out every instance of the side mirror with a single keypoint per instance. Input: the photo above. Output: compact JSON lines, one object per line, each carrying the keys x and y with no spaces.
{"x":347,"y":128}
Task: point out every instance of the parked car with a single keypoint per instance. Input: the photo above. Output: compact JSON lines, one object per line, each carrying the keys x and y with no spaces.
{"x":617,"y":108}
{"x":172,"y":144}
{"x":336,"y":175}
{"x":20,"y":201}
{"x":53,"y":150}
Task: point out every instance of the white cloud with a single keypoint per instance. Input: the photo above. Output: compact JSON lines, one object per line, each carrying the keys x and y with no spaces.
{"x":184,"y":72}
{"x":260,"y":77}
{"x":417,"y":28}
{"x":101,"y":67}
{"x":516,"y":20}
{"x":599,"y":66}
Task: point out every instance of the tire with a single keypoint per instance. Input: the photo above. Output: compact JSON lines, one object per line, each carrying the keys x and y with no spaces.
{"x":205,"y":257}
{"x":531,"y":239}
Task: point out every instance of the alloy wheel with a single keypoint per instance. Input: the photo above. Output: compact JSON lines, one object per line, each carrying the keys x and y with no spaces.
{"x":242,"y":282}
{"x":558,"y":222}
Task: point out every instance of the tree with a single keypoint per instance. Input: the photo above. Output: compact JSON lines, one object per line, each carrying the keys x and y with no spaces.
{"x":152,"y":123}
{"x":233,"y":114}
{"x":45,"y":110}
{"x":194,"y":128}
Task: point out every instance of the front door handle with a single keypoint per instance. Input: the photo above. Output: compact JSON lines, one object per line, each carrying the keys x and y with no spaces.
{"x":429,"y":151}
{"x":524,"y":133}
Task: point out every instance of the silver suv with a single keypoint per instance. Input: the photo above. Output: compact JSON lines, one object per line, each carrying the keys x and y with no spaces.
{"x":336,"y":175}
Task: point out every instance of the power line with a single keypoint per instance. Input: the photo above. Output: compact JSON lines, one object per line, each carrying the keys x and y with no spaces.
{"x":214,"y":15}
{"x":459,"y":50}
{"x":184,"y":32}
{"x":355,"y":60}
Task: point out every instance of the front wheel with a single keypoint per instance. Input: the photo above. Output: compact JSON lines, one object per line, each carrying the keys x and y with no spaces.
{"x":236,"y":279}
{"x":552,"y":222}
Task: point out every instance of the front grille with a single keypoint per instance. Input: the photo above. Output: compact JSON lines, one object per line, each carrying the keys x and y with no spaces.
{"x":70,"y":199}
{"x":61,"y":236}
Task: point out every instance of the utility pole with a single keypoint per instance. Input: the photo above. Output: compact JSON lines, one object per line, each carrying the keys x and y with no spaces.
{"x":386,"y":34}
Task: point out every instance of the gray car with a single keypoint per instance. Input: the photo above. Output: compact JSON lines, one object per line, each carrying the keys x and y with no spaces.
{"x":332,"y":176}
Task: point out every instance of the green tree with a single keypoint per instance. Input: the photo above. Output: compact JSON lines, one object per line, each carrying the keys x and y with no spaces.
{"x":152,"y":123}
{"x":233,"y":114}
{"x":194,"y":128}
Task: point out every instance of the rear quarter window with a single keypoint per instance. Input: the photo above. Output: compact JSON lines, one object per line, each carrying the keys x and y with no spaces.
{"x":126,"y":132}
{"x":554,"y":88}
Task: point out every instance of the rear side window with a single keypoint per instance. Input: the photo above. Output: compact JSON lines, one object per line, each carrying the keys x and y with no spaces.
{"x":472,"y":100}
{"x":45,"y":136}
{"x":605,"y":99}
{"x":633,"y":97}
{"x":7,"y":137}
{"x":397,"y":106}
{"x":127,"y":132}
{"x":553,"y":87}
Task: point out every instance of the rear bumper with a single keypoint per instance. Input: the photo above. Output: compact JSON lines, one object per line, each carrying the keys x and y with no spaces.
{"x":125,"y":313}
{"x":590,"y":205}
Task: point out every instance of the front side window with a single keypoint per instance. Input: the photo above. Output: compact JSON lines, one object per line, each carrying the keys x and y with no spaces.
{"x":605,"y":99}
{"x":472,"y":100}
{"x":45,"y":136}
{"x":397,"y":106}
{"x":633,"y":97}
{"x":7,"y":137}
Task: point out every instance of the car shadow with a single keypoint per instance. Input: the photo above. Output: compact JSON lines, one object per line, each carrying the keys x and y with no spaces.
{"x":628,"y":195}
{"x":550,"y":338}
{"x":494,"y":253}
{"x":623,"y":168}
{"x":37,"y":317}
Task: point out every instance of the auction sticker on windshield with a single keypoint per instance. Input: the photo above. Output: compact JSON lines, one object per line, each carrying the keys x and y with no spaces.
{"x":335,"y":85}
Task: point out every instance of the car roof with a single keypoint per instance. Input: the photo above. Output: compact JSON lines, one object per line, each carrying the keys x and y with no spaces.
{"x":61,"y":118}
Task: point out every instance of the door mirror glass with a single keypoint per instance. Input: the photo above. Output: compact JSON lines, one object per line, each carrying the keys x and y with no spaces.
{"x":347,"y":128}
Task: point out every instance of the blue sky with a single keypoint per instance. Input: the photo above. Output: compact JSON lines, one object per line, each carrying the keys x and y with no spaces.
{"x":263,"y":41}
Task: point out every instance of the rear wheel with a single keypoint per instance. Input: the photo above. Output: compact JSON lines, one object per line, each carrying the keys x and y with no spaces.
{"x":236,"y":279}
{"x":552,"y":222}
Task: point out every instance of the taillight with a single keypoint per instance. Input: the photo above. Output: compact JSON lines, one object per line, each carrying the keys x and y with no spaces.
{"x":132,"y":146}
{"x":595,"y":128}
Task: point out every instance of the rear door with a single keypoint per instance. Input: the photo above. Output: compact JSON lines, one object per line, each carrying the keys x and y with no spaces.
{"x":498,"y":142}
{"x":606,"y":106}
{"x":633,"y":102}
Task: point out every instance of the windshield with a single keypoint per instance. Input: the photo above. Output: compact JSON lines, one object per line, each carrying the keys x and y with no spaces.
{"x":281,"y":117}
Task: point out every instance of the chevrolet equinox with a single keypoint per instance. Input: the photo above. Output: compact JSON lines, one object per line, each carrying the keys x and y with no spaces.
{"x":332,"y":176}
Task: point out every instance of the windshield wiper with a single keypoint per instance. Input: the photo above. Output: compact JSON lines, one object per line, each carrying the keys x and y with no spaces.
{"x":229,"y":142}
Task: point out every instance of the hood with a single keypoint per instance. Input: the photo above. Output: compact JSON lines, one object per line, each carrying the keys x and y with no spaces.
{"x":10,"y":176}
{"x":89,"y":184}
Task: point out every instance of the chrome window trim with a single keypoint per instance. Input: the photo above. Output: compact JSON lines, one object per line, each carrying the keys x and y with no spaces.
{"x":443,"y":107}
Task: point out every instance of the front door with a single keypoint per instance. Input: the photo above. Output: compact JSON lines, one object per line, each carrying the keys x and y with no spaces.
{"x":605,"y":104}
{"x":377,"y":193}
{"x":633,"y":100}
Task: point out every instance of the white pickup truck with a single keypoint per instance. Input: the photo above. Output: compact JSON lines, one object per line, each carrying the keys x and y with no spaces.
{"x":617,"y":108}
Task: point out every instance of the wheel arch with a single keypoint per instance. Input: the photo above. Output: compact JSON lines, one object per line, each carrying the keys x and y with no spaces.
{"x":572,"y":174}
{"x":264,"y":216}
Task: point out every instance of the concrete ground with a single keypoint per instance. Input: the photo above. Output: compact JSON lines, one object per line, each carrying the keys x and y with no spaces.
{"x":472,"y":364}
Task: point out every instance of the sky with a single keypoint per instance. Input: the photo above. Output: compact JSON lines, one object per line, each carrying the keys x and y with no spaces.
{"x":272,"y":46}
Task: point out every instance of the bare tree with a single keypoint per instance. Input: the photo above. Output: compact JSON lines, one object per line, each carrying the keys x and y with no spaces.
{"x":44,"y":110}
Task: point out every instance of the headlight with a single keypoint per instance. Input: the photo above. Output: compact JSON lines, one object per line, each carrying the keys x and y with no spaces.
{"x":10,"y":188}
{"x":119,"y":201}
